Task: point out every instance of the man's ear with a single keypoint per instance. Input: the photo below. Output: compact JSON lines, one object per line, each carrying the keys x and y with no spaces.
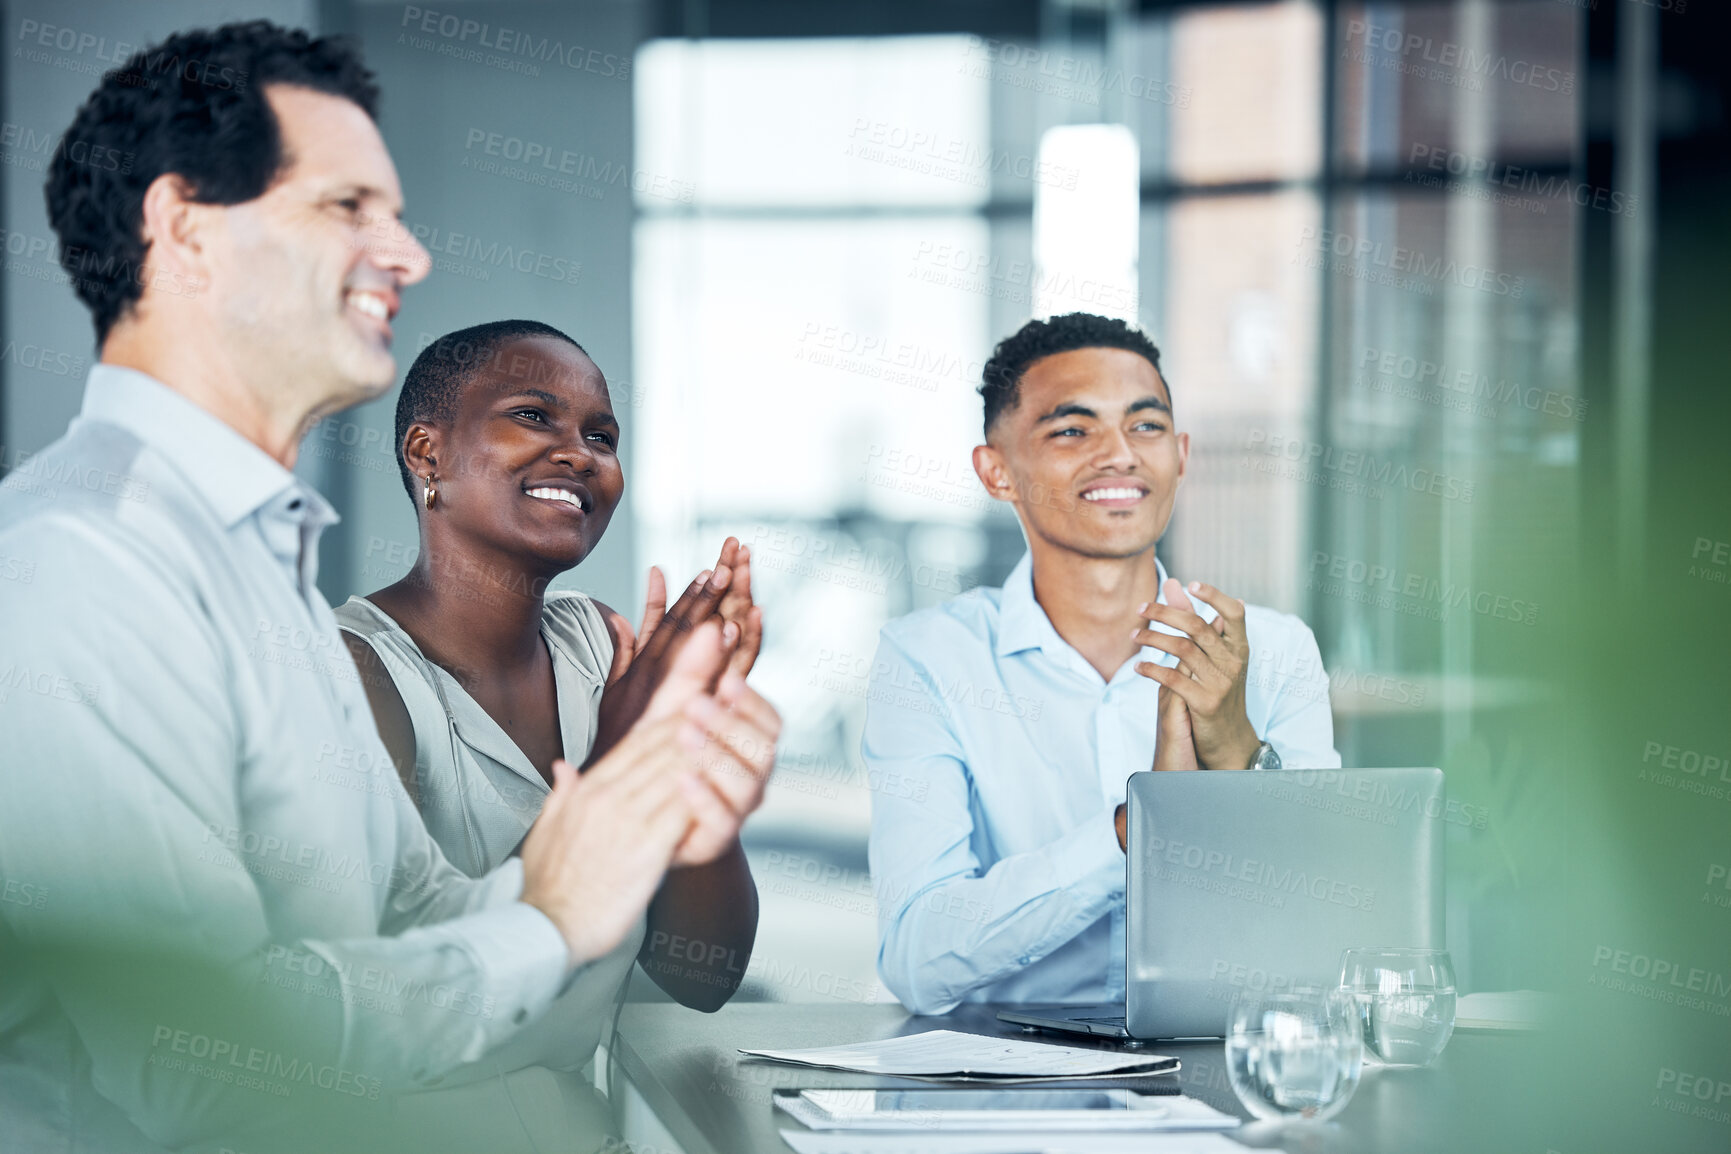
{"x":175,"y":230}
{"x":1183,"y":455}
{"x":993,"y":473}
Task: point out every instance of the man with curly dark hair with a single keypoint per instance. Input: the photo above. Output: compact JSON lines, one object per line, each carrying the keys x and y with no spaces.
{"x":196,"y":106}
{"x":224,"y":923}
{"x":1011,"y":718}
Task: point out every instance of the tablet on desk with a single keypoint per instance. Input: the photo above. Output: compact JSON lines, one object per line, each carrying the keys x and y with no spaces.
{"x":997,"y":1109}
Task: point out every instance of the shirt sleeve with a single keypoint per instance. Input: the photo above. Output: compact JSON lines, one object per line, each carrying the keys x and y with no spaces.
{"x":945,"y":926}
{"x":120,"y":757}
{"x":1300,"y":722}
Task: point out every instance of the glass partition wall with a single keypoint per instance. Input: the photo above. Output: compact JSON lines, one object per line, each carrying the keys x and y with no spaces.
{"x":1356,"y":251}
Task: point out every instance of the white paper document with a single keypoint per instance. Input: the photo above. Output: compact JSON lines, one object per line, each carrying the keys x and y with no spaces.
{"x":952,"y":1056}
{"x":813,"y":1142}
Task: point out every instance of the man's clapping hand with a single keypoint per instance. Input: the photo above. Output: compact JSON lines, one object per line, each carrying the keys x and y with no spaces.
{"x":730,"y":737}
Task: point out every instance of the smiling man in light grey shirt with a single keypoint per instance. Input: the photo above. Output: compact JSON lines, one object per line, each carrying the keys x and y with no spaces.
{"x":222,"y":922}
{"x":189,"y":759}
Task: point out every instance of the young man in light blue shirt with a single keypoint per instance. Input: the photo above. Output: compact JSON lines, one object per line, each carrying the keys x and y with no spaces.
{"x":1020,"y":712}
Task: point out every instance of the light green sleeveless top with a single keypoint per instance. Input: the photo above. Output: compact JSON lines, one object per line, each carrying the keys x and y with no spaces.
{"x":479,"y":795}
{"x":476,"y":791}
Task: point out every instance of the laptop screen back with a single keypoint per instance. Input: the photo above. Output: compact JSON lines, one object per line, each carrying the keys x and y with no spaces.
{"x":1259,"y":880}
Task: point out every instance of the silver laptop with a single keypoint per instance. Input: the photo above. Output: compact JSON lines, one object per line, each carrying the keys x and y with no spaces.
{"x":1259,"y":880}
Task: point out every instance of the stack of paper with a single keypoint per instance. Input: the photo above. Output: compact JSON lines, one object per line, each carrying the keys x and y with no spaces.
{"x":949,"y":1056}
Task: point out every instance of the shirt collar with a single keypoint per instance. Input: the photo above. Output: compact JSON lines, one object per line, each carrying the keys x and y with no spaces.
{"x":233,"y":475}
{"x":1022,"y":622}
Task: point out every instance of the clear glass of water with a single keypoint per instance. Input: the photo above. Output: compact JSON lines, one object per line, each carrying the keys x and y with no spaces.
{"x":1295,"y":1054}
{"x":1406,"y":1001}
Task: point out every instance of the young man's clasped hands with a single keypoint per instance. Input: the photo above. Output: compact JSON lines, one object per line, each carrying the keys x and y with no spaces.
{"x":1203,"y":721}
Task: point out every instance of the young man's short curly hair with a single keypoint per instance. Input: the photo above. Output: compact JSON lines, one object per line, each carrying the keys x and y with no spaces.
{"x":193,"y":105}
{"x":1002,"y":376}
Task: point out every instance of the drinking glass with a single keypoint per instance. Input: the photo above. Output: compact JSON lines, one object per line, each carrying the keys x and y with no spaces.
{"x":1406,"y":1001}
{"x":1294,"y":1054}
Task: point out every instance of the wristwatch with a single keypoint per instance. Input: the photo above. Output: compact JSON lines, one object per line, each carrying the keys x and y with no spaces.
{"x":1266,"y":758}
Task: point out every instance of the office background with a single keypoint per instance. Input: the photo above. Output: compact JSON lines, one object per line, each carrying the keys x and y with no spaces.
{"x":1440,"y":293}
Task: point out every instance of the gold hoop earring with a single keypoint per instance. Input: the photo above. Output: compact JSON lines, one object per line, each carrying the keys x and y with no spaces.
{"x":431,"y":494}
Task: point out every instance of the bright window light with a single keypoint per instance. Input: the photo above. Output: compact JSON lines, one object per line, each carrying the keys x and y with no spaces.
{"x":1086,"y":207}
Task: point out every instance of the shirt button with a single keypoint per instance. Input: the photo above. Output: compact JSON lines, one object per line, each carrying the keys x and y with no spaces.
{"x":520,"y":1017}
{"x":1024,"y":960}
{"x":295,"y":505}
